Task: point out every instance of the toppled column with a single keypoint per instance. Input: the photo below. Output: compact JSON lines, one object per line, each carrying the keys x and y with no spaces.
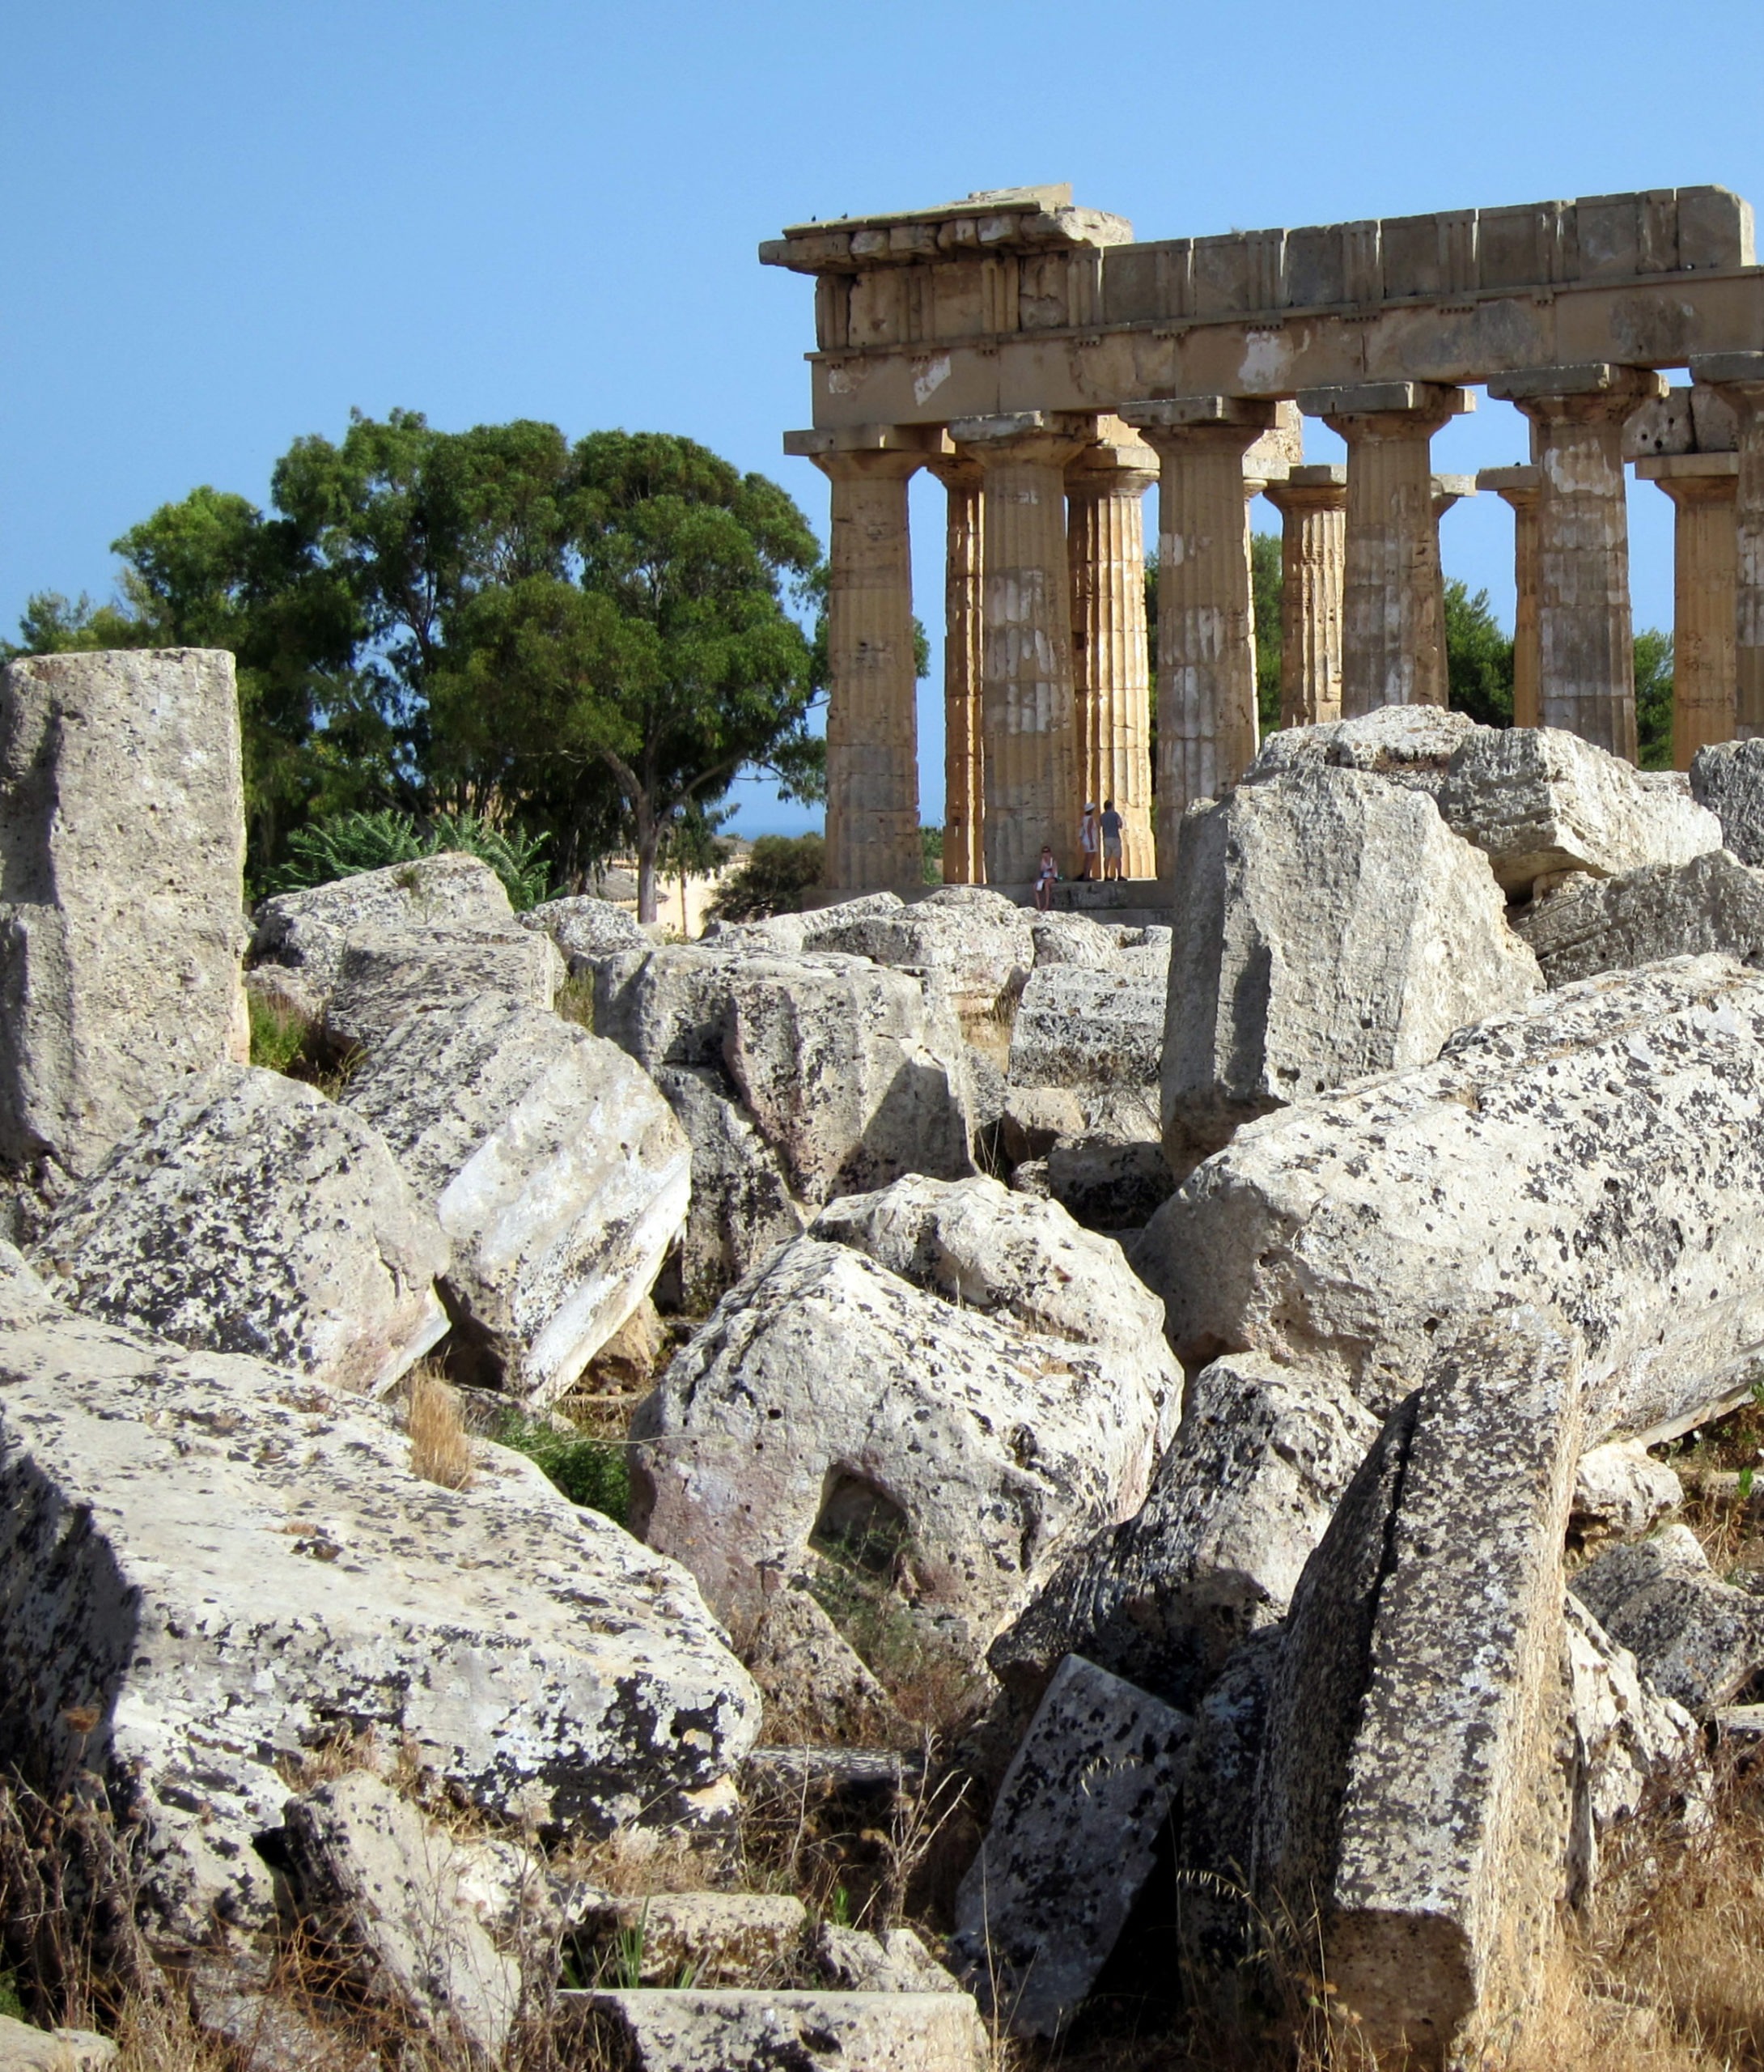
{"x":964,"y":659}
{"x":1207,"y":641}
{"x":872,"y":723}
{"x":1105,"y":489}
{"x":1517,"y":489}
{"x":1414,"y":1807}
{"x":1738,"y":379}
{"x":1393,"y":639}
{"x":1313,"y":503}
{"x":1703,"y":487}
{"x":1585,"y":643}
{"x":1029,"y":730}
{"x":122,"y":850}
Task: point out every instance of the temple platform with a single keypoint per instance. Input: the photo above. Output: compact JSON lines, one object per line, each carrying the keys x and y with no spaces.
{"x":1129,"y":903}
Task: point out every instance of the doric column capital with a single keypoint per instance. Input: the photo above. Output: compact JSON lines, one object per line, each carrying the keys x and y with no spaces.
{"x":1592,"y":392}
{"x":1517,"y":488}
{"x":1693,"y":478}
{"x":1448,"y":489}
{"x":1190,"y":424}
{"x":1037,"y":438}
{"x":1386,"y":410}
{"x":1117,"y":462}
{"x":956,"y":470}
{"x":1737,"y":378}
{"x":1317,"y":485}
{"x":869,"y":452}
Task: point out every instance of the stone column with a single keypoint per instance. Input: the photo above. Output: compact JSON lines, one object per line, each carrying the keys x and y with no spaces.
{"x":1028,"y":731}
{"x":1313,"y":503}
{"x":1517,"y":488}
{"x":1207,"y":645}
{"x":1703,"y":488}
{"x":1393,"y":641}
{"x":1585,"y":650}
{"x":964,"y":656}
{"x":1105,"y":489}
{"x":1738,"y":379}
{"x":872,"y":727}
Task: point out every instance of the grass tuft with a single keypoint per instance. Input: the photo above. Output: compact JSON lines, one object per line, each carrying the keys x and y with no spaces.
{"x":592,"y":1472}
{"x":440,"y":1449}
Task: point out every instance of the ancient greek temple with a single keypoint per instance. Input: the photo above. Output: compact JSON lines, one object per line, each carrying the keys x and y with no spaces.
{"x":1047,"y":369}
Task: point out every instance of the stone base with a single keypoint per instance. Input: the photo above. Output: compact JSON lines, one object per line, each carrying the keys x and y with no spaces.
{"x":1134,"y":902}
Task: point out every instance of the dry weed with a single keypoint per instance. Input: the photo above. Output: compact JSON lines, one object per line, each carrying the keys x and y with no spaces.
{"x":440,"y":1449}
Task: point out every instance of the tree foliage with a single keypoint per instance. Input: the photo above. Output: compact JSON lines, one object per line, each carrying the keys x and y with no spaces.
{"x":1653,"y":698}
{"x":1478,"y":657}
{"x":780,"y":872}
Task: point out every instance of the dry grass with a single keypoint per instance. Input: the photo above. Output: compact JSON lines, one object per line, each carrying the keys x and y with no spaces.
{"x":441,"y":1449}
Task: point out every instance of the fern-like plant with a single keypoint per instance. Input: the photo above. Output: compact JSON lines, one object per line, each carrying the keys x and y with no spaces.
{"x":349,"y":843}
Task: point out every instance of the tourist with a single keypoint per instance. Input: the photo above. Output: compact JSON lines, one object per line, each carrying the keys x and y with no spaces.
{"x":1112,"y":826}
{"x":1087,"y":840}
{"x":1047,"y":875}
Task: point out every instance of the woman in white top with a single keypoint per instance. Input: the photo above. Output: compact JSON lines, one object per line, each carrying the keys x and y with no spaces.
{"x":1087,"y":839}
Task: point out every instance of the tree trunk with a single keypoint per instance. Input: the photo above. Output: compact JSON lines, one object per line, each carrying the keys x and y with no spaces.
{"x":648,"y":841}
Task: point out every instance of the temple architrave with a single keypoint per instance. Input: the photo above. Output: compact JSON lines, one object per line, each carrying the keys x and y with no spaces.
{"x":1047,"y":369}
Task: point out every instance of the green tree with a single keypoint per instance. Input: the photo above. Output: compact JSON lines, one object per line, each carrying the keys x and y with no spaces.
{"x":780,"y":872}
{"x":1478,"y":657}
{"x":1653,"y":698}
{"x":52,"y":624}
{"x":1267,"y":585}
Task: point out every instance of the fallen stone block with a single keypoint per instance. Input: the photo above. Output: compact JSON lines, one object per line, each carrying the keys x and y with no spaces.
{"x":248,"y":1214}
{"x":1074,"y":1828}
{"x":708,"y":1938}
{"x":1107,"y":1186}
{"x":1074,"y":939}
{"x":1413,"y":1800}
{"x":974,"y":943}
{"x":209,"y":1568}
{"x":1726,"y":778}
{"x":1412,"y":745}
{"x":23,"y":2048}
{"x":1593,"y":924}
{"x":689,"y":2031}
{"x":1216,"y":1824}
{"x":585,"y":930}
{"x":554,"y":1166}
{"x":1622,"y":1491}
{"x":816,"y":1685}
{"x":853,"y":1960}
{"x":741,"y":1205}
{"x":1088,"y":1029}
{"x":122,"y":808}
{"x":245,"y":2004}
{"x":308,"y":929}
{"x":1035,"y":1118}
{"x":1330,"y":926}
{"x":1536,"y":800}
{"x":383,"y":978}
{"x":1597,"y":1151}
{"x":1696,"y":1639}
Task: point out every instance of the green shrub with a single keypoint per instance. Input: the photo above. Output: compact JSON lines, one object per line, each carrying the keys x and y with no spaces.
{"x":349,"y":843}
{"x":777,"y":878}
{"x":277,"y":1034}
{"x":590,"y":1471}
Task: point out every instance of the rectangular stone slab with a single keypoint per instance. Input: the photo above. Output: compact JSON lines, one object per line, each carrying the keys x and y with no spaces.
{"x":687,"y":2031}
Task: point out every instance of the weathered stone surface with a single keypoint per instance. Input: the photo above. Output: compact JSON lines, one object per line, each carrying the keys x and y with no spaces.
{"x":1216,"y":1816}
{"x":741,"y":1203}
{"x":1107,"y":1186}
{"x":689,"y":2031}
{"x":1536,"y":800}
{"x":1074,"y":939}
{"x":1035,"y":1118}
{"x":977,"y":946}
{"x":248,"y":1214}
{"x":1017,"y":1397}
{"x":848,"y":1072}
{"x":1408,"y":745}
{"x":122,"y":849}
{"x":207,"y":1568}
{"x":308,"y":929}
{"x":385,"y":1893}
{"x":1696,"y":1639}
{"x":852,"y":1960}
{"x":1422,"y":1811}
{"x":23,"y":2048}
{"x":285,"y":990}
{"x":1593,"y":925}
{"x":555,"y":1167}
{"x":383,"y":977}
{"x":1330,"y":926}
{"x":987,"y":1087}
{"x":585,"y":929}
{"x":1622,"y":1490}
{"x":1728,"y":779}
{"x":1239,"y":1502}
{"x":1074,"y":1827}
{"x":1597,"y":1151}
{"x":1086,"y":1028}
{"x":816,"y":1685}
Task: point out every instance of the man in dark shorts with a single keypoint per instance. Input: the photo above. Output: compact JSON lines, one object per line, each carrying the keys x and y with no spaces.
{"x":1111,"y":825}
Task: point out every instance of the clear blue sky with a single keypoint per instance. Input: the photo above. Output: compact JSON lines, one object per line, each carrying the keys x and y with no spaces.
{"x":223,"y":225}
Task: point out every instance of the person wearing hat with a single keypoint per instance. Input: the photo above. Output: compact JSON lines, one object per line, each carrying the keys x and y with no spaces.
{"x":1087,"y":840}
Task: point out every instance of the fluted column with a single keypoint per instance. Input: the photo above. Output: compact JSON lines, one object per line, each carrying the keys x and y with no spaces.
{"x":1703,"y":488}
{"x":1207,"y":646}
{"x":1517,"y":488}
{"x":1394,"y":637}
{"x":1313,"y":503}
{"x":1738,"y":378}
{"x":964,"y":659}
{"x":1105,"y":489}
{"x":1028,"y":733}
{"x":1585,"y":644}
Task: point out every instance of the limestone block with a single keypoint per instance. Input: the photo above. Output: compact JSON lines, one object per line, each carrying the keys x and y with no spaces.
{"x":383,"y":978}
{"x":686,"y":2030}
{"x":1537,"y":800}
{"x":1074,"y":939}
{"x":1330,"y":926}
{"x":987,"y":1087}
{"x":248,"y":1214}
{"x":1087,"y":1029}
{"x":585,"y":929}
{"x":816,"y":1685}
{"x":208,"y":1566}
{"x":714,"y":1939}
{"x":1696,"y":1639}
{"x":122,"y":849}
{"x":852,"y":1960}
{"x":997,"y":1412}
{"x":977,"y":943}
{"x":1412,"y":745}
{"x":554,"y":1166}
{"x":384,"y":1891}
{"x":1035,"y":1118}
{"x":1595,"y":1151}
{"x":1074,"y":1828}
{"x":741,"y":1204}
{"x":1109,"y":1185}
{"x":1620,"y":1490}
{"x":1216,"y":1818}
{"x":1422,"y":1811}
{"x":1238,"y":1504}
{"x":285,"y":990}
{"x":23,"y":2048}
{"x":1593,"y":925}
{"x":1728,"y":779}
{"x":308,"y":929}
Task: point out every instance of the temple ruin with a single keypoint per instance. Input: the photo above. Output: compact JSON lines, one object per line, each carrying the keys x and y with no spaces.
{"x":1047,"y":368}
